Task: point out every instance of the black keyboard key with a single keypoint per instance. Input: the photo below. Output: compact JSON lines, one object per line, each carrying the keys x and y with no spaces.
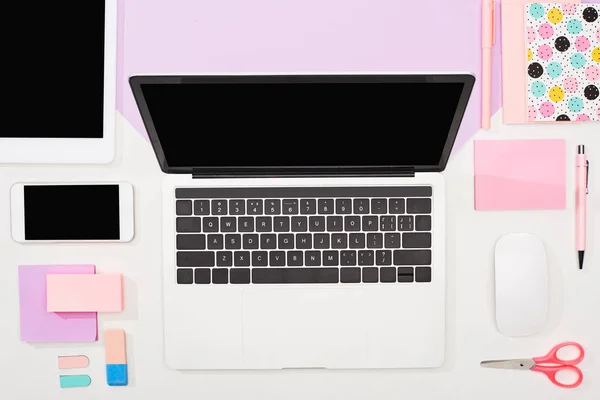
{"x":325,"y":206}
{"x":308,"y":206}
{"x":423,"y":274}
{"x":220,"y":275}
{"x":387,"y":274}
{"x":281,"y":224}
{"x":183,"y":207}
{"x":350,"y":275}
{"x":285,"y":241}
{"x":294,"y":259}
{"x":210,"y":224}
{"x":290,"y":206}
{"x":201,"y":207}
{"x":215,"y":241}
{"x":331,"y":258}
{"x":185,"y":276}
{"x":264,"y":224}
{"x":255,"y":207}
{"x":348,"y":257}
{"x":351,"y":223}
{"x":191,"y":242}
{"x":370,"y":223}
{"x":241,"y":258}
{"x":295,"y":275}
{"x":228,"y":224}
{"x":233,"y":241}
{"x":397,"y":206}
{"x":383,"y":257}
{"x":277,"y":258}
{"x":406,"y":223}
{"x":423,"y":223}
{"x":260,"y":258}
{"x":304,"y":241}
{"x":202,"y":276}
{"x":299,"y":224}
{"x":250,"y":241}
{"x":361,"y":206}
{"x":374,"y":240}
{"x":406,"y":274}
{"x":312,"y":258}
{"x":339,"y":240}
{"x":273,"y":207}
{"x":388,"y":223}
{"x":412,"y":257}
{"x":195,"y":258}
{"x":224,"y":259}
{"x":335,"y":223}
{"x":378,"y":206}
{"x":366,"y":257}
{"x":370,"y":275}
{"x":239,"y":276}
{"x":420,"y":240}
{"x":246,"y":224}
{"x":219,"y":207}
{"x":188,"y":224}
{"x":268,"y":241}
{"x":316,"y":223}
{"x":321,"y":241}
{"x":357,"y":241}
{"x":418,"y":206}
{"x":392,"y":240}
{"x":237,"y":207}
{"x":343,"y":206}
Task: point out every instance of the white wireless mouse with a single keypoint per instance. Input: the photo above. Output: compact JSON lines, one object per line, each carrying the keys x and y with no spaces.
{"x":521,"y":275}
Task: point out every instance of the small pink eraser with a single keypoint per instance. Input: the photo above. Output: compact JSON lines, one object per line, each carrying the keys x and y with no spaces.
{"x":70,"y":362}
{"x":84,"y":293}
{"x":114,"y":345}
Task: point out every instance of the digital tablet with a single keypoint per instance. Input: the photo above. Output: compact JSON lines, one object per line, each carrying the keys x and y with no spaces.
{"x":59,"y":84}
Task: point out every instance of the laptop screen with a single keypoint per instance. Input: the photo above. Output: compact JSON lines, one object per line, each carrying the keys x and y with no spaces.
{"x":305,"y":121}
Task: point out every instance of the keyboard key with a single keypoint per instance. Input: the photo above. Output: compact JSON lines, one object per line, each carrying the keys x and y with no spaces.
{"x":260,"y":258}
{"x":423,"y":223}
{"x":423,"y":274}
{"x":361,"y":206}
{"x":268,"y":241}
{"x":188,"y":224}
{"x":219,"y":207}
{"x":388,"y":223}
{"x":290,"y":206}
{"x":370,"y":275}
{"x":255,"y":207}
{"x":378,"y":206}
{"x":185,"y":276}
{"x":264,"y":224}
{"x":331,"y":258}
{"x":202,"y":276}
{"x":224,"y":259}
{"x":220,"y":275}
{"x":421,"y":240}
{"x":357,"y":241}
{"x":304,"y":241}
{"x":215,"y":242}
{"x":316,"y":224}
{"x":246,"y":224}
{"x":281,"y":224}
{"x":366,"y":257}
{"x":325,"y":206}
{"x":241,"y":258}
{"x":370,"y":223}
{"x":348,"y":257}
{"x":295,"y":275}
{"x":335,"y":223}
{"x":233,"y":241}
{"x":277,"y":258}
{"x":339,"y":240}
{"x":350,"y":275}
{"x":285,"y":241}
{"x":237,"y":207}
{"x":418,"y":206}
{"x":406,"y":274}
{"x":392,"y":240}
{"x":387,"y":274}
{"x":201,"y":207}
{"x":351,"y":223}
{"x":397,"y":206}
{"x":195,"y":258}
{"x":321,"y":241}
{"x":183,"y":207}
{"x":383,"y":257}
{"x":250,"y":241}
{"x":406,"y":223}
{"x":375,"y":240}
{"x":210,"y":224}
{"x":343,"y":206}
{"x":312,"y":258}
{"x":299,"y":224}
{"x":228,"y":224}
{"x":239,"y":275}
{"x":308,"y":206}
{"x":191,"y":242}
{"x":273,"y":207}
{"x":295,"y":259}
{"x":412,"y":257}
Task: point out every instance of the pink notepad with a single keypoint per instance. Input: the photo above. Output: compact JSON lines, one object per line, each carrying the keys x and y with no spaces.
{"x":85,"y":293}
{"x":520,"y":174}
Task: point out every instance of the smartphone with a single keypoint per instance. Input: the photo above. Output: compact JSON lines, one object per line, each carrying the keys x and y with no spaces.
{"x":72,"y":212}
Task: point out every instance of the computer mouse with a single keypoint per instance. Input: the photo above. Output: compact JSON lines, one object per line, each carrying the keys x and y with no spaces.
{"x":521,"y":277}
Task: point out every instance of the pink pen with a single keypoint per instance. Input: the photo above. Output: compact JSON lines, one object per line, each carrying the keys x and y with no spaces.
{"x":583,"y":168}
{"x":488,"y":39}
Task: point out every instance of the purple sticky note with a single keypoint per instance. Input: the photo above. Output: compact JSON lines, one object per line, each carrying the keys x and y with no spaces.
{"x":39,"y":325}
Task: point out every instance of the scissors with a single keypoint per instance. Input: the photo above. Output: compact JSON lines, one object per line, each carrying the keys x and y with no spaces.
{"x":550,"y":364}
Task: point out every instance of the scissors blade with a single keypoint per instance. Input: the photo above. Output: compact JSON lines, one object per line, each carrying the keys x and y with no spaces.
{"x":525,"y":363}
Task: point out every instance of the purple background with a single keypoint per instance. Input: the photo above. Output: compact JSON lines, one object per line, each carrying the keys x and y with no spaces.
{"x":202,"y":36}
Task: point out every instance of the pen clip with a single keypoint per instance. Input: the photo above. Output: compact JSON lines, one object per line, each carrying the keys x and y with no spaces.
{"x":493,"y":6}
{"x":587,"y":177}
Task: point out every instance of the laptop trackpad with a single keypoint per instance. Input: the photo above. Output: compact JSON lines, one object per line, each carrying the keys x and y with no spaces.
{"x":303,"y":328}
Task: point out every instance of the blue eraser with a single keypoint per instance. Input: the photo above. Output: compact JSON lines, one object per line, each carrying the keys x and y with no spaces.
{"x":116,"y":374}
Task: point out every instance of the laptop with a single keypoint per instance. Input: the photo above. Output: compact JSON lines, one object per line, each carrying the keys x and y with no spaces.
{"x":303,"y":217}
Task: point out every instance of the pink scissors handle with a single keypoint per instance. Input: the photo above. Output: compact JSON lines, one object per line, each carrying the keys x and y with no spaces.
{"x":551,"y":372}
{"x":552,"y":356}
{"x":560,"y":365}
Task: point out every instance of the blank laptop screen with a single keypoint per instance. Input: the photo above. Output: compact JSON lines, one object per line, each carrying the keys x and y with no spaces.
{"x":302,"y":123}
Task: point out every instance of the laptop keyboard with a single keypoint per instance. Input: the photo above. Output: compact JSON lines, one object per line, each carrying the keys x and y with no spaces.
{"x":303,"y":235}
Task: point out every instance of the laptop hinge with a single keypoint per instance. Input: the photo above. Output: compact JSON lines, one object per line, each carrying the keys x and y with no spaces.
{"x":208,"y":173}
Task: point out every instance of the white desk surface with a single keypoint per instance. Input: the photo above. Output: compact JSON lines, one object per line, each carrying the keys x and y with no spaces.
{"x":30,"y":371}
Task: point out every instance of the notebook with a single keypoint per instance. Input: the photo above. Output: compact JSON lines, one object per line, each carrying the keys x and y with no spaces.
{"x":563,"y":61}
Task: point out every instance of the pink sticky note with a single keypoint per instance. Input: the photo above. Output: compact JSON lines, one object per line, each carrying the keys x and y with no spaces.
{"x":73,"y":293}
{"x":520,"y":174}
{"x":39,"y":325}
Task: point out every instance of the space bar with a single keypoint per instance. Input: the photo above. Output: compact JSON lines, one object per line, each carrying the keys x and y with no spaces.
{"x":295,"y":275}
